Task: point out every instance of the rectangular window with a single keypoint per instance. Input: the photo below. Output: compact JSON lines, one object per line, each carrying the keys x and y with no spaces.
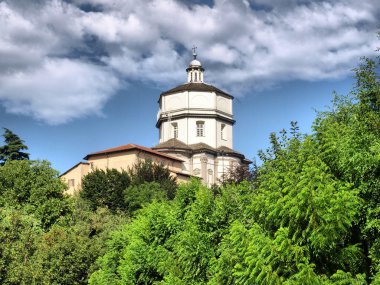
{"x":175,"y":130}
{"x":223,"y":132}
{"x":71,"y":182}
{"x":200,"y":129}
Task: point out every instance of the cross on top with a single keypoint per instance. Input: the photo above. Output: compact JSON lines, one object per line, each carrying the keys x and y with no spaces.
{"x":194,"y":52}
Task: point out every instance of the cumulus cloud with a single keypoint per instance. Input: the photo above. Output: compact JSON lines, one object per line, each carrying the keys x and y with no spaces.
{"x":63,"y":59}
{"x":58,"y":90}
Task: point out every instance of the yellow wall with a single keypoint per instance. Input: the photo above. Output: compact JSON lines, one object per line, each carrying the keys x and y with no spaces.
{"x":125,"y":160}
{"x":74,"y":177}
{"x":120,"y":161}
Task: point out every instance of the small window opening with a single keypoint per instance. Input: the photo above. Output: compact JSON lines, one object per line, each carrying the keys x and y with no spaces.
{"x":175,"y":130}
{"x":223,"y":132}
{"x":200,"y":129}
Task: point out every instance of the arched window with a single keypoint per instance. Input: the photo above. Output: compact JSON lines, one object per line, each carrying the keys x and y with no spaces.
{"x":223,"y":131}
{"x":200,"y":128}
{"x":175,"y":130}
{"x":195,"y":76}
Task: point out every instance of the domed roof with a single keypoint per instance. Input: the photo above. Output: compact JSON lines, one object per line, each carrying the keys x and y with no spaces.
{"x":194,"y":63}
{"x":202,"y":87}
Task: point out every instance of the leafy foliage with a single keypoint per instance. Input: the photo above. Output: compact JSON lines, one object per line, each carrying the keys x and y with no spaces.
{"x":35,"y":187}
{"x":66,"y":254}
{"x":239,"y":173}
{"x":172,"y":242}
{"x":12,"y":150}
{"x":105,"y":188}
{"x":136,"y":196}
{"x":128,"y":191}
{"x":149,"y":171}
{"x":20,"y":234}
{"x":350,"y":144}
{"x":63,"y":254}
{"x":299,"y":226}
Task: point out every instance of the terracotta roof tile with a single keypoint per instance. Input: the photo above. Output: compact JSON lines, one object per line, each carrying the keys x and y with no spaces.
{"x":130,"y":147}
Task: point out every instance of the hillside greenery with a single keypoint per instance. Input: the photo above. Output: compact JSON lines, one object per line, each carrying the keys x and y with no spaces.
{"x":310,"y":214}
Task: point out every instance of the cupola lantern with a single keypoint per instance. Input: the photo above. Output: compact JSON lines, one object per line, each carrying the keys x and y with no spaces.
{"x":195,"y":69}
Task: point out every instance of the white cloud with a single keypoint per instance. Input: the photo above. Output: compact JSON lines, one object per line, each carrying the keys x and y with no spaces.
{"x":58,"y":91}
{"x":49,"y":47}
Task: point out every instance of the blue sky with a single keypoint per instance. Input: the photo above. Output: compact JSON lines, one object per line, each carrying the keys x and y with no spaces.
{"x":81,"y":76}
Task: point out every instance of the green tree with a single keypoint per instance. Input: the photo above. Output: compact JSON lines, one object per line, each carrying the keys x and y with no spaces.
{"x":349,"y":140}
{"x":239,"y":173}
{"x":300,"y":224}
{"x":12,"y":150}
{"x":20,"y":234}
{"x":137,"y":196}
{"x":105,"y":188}
{"x":35,"y":187}
{"x":128,"y":191}
{"x":148,"y":171}
{"x":66,"y":254}
{"x":63,"y":254}
{"x":172,"y":242}
{"x":314,"y":216}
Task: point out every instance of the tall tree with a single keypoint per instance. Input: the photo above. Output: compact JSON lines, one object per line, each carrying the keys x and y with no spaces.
{"x":12,"y":150}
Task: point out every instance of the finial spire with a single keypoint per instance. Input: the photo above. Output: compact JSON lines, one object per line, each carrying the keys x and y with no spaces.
{"x":195,"y":69}
{"x":194,"y":52}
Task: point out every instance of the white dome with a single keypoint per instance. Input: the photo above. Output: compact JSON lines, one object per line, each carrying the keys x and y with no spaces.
{"x":195,"y":62}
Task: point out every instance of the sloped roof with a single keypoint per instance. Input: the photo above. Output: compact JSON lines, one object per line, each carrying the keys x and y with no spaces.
{"x":203,"y":87}
{"x":172,"y":143}
{"x":222,"y":149}
{"x":130,"y":147}
{"x":79,"y":163}
{"x":227,"y":150}
{"x":177,"y":144}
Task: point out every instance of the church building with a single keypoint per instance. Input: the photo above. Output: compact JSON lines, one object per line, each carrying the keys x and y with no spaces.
{"x":195,"y":123}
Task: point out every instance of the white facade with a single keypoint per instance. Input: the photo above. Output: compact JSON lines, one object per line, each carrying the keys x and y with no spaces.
{"x":195,"y":123}
{"x":181,"y":112}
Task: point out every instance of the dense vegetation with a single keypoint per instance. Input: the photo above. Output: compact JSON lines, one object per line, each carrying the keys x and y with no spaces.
{"x":310,"y":214}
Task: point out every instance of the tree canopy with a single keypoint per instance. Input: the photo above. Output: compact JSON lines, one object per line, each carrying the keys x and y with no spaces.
{"x":35,"y":187}
{"x":128,"y":191}
{"x":12,"y":150}
{"x":105,"y":188}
